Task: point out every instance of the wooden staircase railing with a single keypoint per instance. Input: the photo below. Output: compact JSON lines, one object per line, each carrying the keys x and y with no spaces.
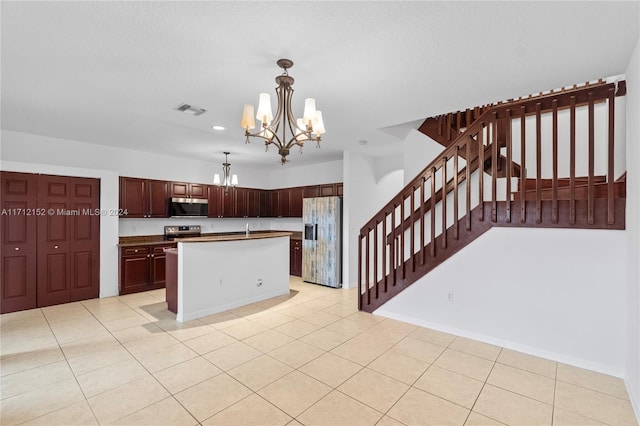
{"x":461,"y":194}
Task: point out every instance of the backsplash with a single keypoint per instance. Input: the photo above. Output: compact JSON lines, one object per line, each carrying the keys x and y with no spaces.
{"x":136,"y":227}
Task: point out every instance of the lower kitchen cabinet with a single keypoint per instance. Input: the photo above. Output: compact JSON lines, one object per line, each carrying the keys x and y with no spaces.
{"x":295,"y":258}
{"x":142,"y":268}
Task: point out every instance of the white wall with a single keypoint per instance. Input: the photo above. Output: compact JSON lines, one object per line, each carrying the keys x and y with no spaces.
{"x":418,"y":151}
{"x":555,"y":293}
{"x":28,"y":148}
{"x":363,"y":197}
{"x":292,"y":175}
{"x":632,"y":375}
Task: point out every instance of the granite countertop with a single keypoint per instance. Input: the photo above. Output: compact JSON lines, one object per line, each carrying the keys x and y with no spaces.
{"x":235,"y":237}
{"x":149,"y":240}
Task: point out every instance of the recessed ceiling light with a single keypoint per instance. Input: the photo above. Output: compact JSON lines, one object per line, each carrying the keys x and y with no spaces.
{"x":216,"y":127}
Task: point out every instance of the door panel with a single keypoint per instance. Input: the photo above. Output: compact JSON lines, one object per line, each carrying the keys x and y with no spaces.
{"x":84,"y":249}
{"x":18,"y":242}
{"x":53,"y":240}
{"x":82,"y":267}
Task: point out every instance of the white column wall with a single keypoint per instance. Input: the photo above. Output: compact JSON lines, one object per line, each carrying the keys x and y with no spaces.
{"x":363,"y":197}
{"x":632,"y":375}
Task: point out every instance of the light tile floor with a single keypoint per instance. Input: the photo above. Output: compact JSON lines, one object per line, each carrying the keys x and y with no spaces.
{"x":309,"y":358}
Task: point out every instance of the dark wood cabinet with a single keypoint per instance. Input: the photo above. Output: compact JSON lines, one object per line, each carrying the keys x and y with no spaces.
{"x":295,"y":201}
{"x":311,"y":191}
{"x":50,"y":248}
{"x":188,"y":190}
{"x":255,"y":202}
{"x":295,"y":257}
{"x":144,"y":198}
{"x":216,"y":202}
{"x":273,"y":203}
{"x":142,"y":268}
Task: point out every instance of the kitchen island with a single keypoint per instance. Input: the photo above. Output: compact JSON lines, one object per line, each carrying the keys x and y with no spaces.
{"x":211,"y":274}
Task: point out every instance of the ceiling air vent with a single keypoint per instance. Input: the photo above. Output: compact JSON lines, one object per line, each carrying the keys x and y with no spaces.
{"x":190,"y":109}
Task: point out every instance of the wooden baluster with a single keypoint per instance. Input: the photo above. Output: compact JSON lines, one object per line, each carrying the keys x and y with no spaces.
{"x":481,"y":172}
{"x":494,"y":167}
{"x":449,"y":124}
{"x":591,"y":189}
{"x":458,"y":123}
{"x":440,"y":124}
{"x":375,"y":259}
{"x":468,"y":180}
{"x":368,"y":266}
{"x":554,"y":183}
{"x":444,"y":202}
{"x":402,"y":219}
{"x":610,"y":165}
{"x":393,"y":250}
{"x":523,"y":166}
{"x":467,"y":118}
{"x":360,"y":286}
{"x":538,"y":164}
{"x":509,"y":164}
{"x":433,"y":212}
{"x":422,"y":201}
{"x":413,"y":230}
{"x":384,"y":251}
{"x":456,"y":230}
{"x":572,"y":160}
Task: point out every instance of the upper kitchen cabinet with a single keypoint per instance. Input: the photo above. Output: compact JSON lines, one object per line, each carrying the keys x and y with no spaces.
{"x":255,"y":202}
{"x":188,"y":190}
{"x":295,"y":201}
{"x":311,"y":191}
{"x":143,"y":198}
{"x":331,"y":190}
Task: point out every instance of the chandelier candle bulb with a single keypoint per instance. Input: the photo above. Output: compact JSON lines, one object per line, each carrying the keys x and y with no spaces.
{"x":264,"y":109}
{"x":309,"y":112}
{"x":247,"y":121}
{"x":318,"y":128}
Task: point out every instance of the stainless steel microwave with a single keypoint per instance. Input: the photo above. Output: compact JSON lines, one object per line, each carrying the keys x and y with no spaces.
{"x":188,"y":207}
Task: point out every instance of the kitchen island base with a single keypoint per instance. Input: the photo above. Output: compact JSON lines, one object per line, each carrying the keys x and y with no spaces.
{"x":212,"y":276}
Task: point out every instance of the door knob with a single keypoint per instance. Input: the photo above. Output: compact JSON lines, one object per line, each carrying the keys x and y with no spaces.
{"x":55,"y":247}
{"x":17,"y":249}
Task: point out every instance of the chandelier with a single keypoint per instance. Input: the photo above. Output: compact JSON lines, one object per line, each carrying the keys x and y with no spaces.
{"x":228,"y":180}
{"x":274,"y":130}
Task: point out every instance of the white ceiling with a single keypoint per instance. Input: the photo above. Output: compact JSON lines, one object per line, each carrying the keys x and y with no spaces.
{"x":111,"y":72}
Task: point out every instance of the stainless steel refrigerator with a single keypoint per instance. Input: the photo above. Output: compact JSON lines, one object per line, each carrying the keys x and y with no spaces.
{"x":322,"y":242}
